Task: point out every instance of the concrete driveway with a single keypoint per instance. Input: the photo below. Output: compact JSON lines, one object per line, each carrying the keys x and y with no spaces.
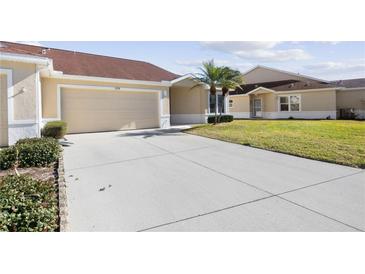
{"x":165,"y":180}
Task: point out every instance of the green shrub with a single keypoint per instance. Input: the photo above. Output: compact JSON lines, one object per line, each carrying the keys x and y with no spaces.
{"x":27,"y":204}
{"x":7,"y":157}
{"x":224,"y":119}
{"x":55,"y":129}
{"x":36,"y":152}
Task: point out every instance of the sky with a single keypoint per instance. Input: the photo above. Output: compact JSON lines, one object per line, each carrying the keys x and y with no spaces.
{"x":325,"y":60}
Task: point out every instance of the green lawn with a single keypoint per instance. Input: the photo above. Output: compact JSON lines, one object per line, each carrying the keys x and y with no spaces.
{"x":341,"y":142}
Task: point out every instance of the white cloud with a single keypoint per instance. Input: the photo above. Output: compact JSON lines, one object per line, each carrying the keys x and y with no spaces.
{"x":32,"y":43}
{"x":198,"y":63}
{"x":260,"y":51}
{"x":337,"y":70}
{"x":234,"y":46}
{"x":275,"y":55}
{"x":331,"y":42}
{"x":353,"y":66}
{"x":193,"y":65}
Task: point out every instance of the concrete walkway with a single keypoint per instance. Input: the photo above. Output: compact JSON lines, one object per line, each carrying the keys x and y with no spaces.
{"x":165,"y":180}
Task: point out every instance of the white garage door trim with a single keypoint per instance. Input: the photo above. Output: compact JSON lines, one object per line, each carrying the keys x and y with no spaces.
{"x":164,"y":120}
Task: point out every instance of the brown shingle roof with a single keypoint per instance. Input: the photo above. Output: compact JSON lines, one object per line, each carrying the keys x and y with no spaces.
{"x":86,"y":64}
{"x":284,"y":85}
{"x":350,"y":83}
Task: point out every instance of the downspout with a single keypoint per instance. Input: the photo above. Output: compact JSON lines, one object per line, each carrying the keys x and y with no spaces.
{"x":38,"y":102}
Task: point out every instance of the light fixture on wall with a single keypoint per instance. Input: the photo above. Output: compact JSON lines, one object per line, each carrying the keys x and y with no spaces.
{"x":22,"y":90}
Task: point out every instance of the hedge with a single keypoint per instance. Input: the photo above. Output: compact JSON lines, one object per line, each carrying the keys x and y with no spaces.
{"x":27,"y":205}
{"x":7,"y":158}
{"x":55,"y":129}
{"x":224,"y":119}
{"x":37,"y":152}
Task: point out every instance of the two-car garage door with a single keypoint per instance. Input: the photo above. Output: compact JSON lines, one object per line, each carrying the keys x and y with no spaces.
{"x":87,"y":110}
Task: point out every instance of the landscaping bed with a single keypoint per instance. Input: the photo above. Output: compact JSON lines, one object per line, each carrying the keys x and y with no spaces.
{"x":334,"y":141}
{"x":29,"y":186}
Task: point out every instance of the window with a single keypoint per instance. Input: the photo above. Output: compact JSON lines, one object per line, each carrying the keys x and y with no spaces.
{"x":230,"y":103}
{"x":294,"y":103}
{"x":220,"y":103}
{"x":289,"y":103}
{"x":284,"y":104}
{"x":212,"y":99}
{"x":212,"y":103}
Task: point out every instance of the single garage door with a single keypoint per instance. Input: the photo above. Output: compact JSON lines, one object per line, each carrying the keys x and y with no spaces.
{"x":107,"y":110}
{"x":3,"y":111}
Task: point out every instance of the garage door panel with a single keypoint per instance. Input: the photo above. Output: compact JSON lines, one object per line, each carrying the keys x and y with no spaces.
{"x":91,"y":111}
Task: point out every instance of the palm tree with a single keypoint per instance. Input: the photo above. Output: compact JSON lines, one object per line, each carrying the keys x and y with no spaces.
{"x":210,"y":75}
{"x":231,"y":79}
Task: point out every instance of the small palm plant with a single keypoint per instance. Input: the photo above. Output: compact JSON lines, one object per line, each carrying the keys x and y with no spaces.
{"x":210,"y":75}
{"x":231,"y":79}
{"x":221,"y":77}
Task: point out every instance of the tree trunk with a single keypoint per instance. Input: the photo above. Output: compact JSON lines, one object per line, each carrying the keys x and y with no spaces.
{"x":215,"y":108}
{"x":221,"y":111}
{"x":213,"y":91}
{"x":224,"y":93}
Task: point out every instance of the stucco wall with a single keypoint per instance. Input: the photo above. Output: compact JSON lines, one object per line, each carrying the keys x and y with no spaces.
{"x":49,"y":93}
{"x":185,"y":100}
{"x":269,"y":102}
{"x":23,"y":77}
{"x":319,"y":101}
{"x":3,"y":111}
{"x":351,"y":99}
{"x":239,"y":104}
{"x":310,"y":101}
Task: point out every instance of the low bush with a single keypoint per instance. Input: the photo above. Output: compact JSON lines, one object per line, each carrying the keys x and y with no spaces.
{"x":37,"y":152}
{"x":55,"y":129}
{"x":7,"y":158}
{"x":27,"y":204}
{"x":224,"y":119}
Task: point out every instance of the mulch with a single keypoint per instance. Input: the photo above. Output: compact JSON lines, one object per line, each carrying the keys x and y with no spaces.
{"x":38,"y":173}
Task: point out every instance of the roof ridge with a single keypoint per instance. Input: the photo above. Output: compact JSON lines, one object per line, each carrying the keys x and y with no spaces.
{"x":81,"y":52}
{"x":361,"y":78}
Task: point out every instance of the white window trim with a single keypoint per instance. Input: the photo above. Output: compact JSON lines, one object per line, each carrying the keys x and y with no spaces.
{"x":289,"y":107}
{"x":225,"y":102}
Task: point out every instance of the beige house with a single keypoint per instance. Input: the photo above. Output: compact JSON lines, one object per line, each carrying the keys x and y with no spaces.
{"x":275,"y":94}
{"x":99,"y":93}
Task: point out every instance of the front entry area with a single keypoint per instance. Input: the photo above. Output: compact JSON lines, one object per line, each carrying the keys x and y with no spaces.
{"x":107,"y":110}
{"x":257,"y":107}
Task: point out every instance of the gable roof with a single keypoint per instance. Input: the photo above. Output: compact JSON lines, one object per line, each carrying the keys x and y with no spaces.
{"x":87,"y":64}
{"x":291,"y":74}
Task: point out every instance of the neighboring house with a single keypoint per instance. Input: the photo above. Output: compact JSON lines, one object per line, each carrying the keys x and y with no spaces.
{"x":95,"y":93}
{"x":274,"y":94}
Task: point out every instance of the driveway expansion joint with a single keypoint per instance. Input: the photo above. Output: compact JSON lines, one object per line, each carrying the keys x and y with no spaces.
{"x":257,"y":188}
{"x":206,"y":213}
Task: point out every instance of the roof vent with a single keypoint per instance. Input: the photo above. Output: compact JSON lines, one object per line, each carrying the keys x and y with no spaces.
{"x":256,"y":86}
{"x":291,"y":85}
{"x":44,"y":51}
{"x":2,"y":45}
{"x":306,"y":84}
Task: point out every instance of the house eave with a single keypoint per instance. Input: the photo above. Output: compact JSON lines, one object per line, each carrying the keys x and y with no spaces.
{"x":60,"y":75}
